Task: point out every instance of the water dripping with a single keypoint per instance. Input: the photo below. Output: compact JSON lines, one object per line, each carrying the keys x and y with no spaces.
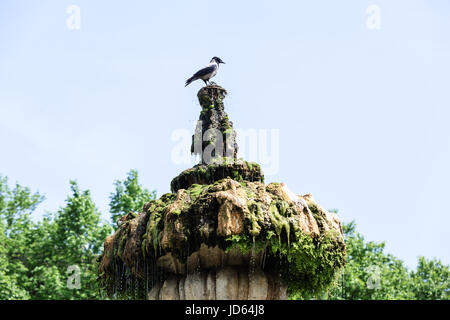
{"x":264,"y":257}
{"x":146,"y":277}
{"x":252,"y":262}
{"x":135,"y":278}
{"x":122,"y":278}
{"x":198,"y":264}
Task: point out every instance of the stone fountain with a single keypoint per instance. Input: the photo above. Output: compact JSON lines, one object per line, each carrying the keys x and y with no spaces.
{"x":222,"y":233}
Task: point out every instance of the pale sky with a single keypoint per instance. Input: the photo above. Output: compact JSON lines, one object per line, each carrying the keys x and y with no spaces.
{"x":362,"y":114}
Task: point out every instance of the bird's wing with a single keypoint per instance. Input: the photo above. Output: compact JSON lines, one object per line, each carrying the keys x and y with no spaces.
{"x":204,"y":71}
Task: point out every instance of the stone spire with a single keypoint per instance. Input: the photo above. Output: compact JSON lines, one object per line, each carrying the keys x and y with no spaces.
{"x":214,"y":136}
{"x":214,"y":141}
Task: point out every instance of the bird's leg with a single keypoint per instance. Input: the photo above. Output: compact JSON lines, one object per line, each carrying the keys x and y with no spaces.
{"x":206,"y":83}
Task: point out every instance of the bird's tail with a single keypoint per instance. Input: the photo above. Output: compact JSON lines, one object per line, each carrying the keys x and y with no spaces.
{"x":188,"y":81}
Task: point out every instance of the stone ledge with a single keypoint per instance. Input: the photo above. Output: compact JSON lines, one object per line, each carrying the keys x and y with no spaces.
{"x":238,"y":170}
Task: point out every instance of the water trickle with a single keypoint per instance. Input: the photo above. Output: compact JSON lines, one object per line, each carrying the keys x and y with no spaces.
{"x":198,"y":264}
{"x":279,"y":271}
{"x":121,"y":277}
{"x":146,"y":278}
{"x":135,"y":278}
{"x":252,"y":262}
{"x":264,"y":257}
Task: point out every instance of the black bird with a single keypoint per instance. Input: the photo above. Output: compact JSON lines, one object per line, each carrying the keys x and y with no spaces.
{"x":207,"y":72}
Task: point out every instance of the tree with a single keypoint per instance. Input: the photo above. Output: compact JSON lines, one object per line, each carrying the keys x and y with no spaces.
{"x":431,"y":280}
{"x":16,"y":229}
{"x":68,"y":245}
{"x":129,"y":196}
{"x":35,"y":257}
{"x":371,"y":274}
{"x":9,"y":288}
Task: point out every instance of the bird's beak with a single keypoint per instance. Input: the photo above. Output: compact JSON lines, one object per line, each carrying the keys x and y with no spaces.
{"x":223,"y":62}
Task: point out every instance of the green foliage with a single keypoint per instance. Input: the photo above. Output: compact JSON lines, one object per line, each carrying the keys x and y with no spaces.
{"x":75,"y":236}
{"x":16,"y":230}
{"x":34,"y":257}
{"x":431,"y":280}
{"x":9,"y":287}
{"x":371,"y":274}
{"x":309,"y":266}
{"x":129,"y":196}
{"x":313,"y":266}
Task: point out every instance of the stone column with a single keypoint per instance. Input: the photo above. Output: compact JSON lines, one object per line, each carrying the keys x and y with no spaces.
{"x":226,"y":283}
{"x":214,"y":135}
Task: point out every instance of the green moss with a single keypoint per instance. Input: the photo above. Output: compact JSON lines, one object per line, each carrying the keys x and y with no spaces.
{"x":254,"y":215}
{"x":278,"y":219}
{"x":195,"y":190}
{"x":144,"y":246}
{"x":228,"y":131}
{"x":122,"y":242}
{"x":309,"y":266}
{"x":152,"y":233}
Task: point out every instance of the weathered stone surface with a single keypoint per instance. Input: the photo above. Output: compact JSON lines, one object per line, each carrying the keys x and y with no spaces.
{"x":181,"y":291}
{"x":169,"y":290}
{"x":213,"y":119}
{"x":227,"y":284}
{"x":154,"y":292}
{"x":194,"y":286}
{"x":277,"y":288}
{"x":236,"y":258}
{"x":193,"y":262}
{"x":199,"y":221}
{"x":210,"y":293}
{"x":230,"y":217}
{"x":219,"y":169}
{"x":328,"y":221}
{"x":239,"y":209}
{"x":106,"y":265}
{"x":211,"y":257}
{"x":257,"y":285}
{"x":243,"y":283}
{"x":171,"y":264}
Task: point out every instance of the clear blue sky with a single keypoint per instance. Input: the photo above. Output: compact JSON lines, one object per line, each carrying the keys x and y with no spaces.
{"x":363,"y":115}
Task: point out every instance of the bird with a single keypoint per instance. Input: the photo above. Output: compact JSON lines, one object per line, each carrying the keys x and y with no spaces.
{"x":207,"y":72}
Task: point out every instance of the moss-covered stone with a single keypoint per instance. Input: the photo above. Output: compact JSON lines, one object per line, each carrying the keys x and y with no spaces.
{"x":221,"y":214}
{"x":221,"y":168}
{"x":229,"y":214}
{"x":213,"y":118}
